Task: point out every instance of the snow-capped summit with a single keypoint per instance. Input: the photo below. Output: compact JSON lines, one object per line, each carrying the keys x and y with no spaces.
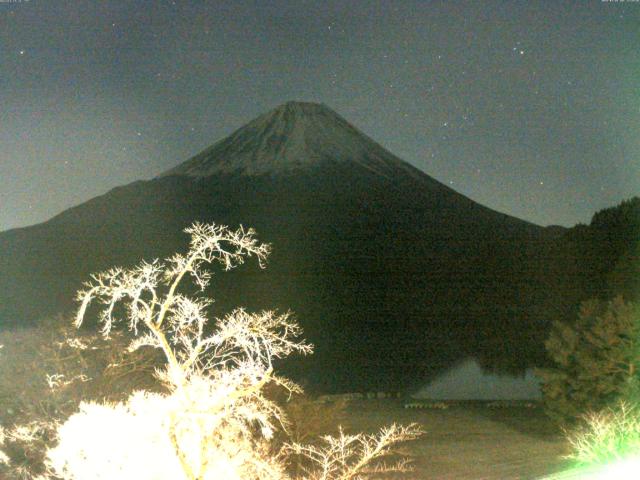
{"x":293,"y":136}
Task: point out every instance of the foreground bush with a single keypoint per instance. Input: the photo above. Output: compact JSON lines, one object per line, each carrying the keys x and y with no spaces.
{"x":214,"y":421}
{"x":609,"y":435}
{"x":46,"y":370}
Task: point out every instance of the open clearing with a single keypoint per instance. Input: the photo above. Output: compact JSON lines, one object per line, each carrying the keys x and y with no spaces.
{"x":467,"y":440}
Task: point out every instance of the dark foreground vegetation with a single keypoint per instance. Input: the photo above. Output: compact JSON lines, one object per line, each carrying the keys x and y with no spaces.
{"x":582,"y":328}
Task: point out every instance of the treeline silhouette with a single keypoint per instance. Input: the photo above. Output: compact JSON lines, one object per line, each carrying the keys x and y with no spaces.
{"x":607,"y":252}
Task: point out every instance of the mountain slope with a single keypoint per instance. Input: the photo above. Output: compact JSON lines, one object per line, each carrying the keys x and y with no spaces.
{"x":392,"y":274}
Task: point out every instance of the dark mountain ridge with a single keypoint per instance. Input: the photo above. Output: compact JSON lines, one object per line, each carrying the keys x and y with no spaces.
{"x":392,"y":274}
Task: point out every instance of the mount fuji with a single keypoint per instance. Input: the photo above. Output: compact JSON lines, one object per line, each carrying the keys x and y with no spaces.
{"x":294,"y":137}
{"x":393,"y":275}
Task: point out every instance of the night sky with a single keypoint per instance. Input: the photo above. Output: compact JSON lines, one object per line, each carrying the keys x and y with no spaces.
{"x":531,"y":108}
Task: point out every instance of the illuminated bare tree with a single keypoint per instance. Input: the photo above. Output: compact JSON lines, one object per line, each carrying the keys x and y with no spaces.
{"x":349,"y":457}
{"x":217,"y":379}
{"x":215,"y":421}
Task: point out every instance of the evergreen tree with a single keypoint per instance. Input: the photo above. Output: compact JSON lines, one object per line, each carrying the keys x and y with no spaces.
{"x":596,"y":360}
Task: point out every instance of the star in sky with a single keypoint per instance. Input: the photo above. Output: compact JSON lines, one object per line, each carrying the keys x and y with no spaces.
{"x":397,"y":72}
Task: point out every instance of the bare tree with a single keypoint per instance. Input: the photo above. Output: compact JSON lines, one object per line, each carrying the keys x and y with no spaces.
{"x":215,"y":420}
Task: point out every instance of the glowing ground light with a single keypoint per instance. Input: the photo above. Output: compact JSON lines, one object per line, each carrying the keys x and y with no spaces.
{"x":624,"y":469}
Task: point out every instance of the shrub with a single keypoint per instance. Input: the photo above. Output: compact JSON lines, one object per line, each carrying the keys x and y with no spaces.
{"x":57,"y":367}
{"x":608,"y":435}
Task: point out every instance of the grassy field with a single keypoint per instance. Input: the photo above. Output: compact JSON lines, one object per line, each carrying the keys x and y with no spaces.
{"x":469,"y":440}
{"x":464,"y":441}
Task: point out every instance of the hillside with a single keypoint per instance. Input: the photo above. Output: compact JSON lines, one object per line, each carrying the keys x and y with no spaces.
{"x":392,"y":274}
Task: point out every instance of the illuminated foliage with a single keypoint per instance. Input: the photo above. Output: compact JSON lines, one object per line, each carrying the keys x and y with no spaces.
{"x":605,"y":436}
{"x":606,"y":445}
{"x":213,"y":420}
{"x":347,"y":457}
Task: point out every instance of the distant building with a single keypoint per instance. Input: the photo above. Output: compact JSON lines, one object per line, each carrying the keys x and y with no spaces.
{"x":467,"y":381}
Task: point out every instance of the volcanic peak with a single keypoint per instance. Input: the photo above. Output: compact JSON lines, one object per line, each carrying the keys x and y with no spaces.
{"x":293,"y":136}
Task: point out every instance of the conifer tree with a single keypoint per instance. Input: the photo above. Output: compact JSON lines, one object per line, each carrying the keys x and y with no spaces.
{"x":596,"y":360}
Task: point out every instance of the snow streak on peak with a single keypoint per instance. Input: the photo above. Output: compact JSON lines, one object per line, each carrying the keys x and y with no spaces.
{"x":293,"y":136}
